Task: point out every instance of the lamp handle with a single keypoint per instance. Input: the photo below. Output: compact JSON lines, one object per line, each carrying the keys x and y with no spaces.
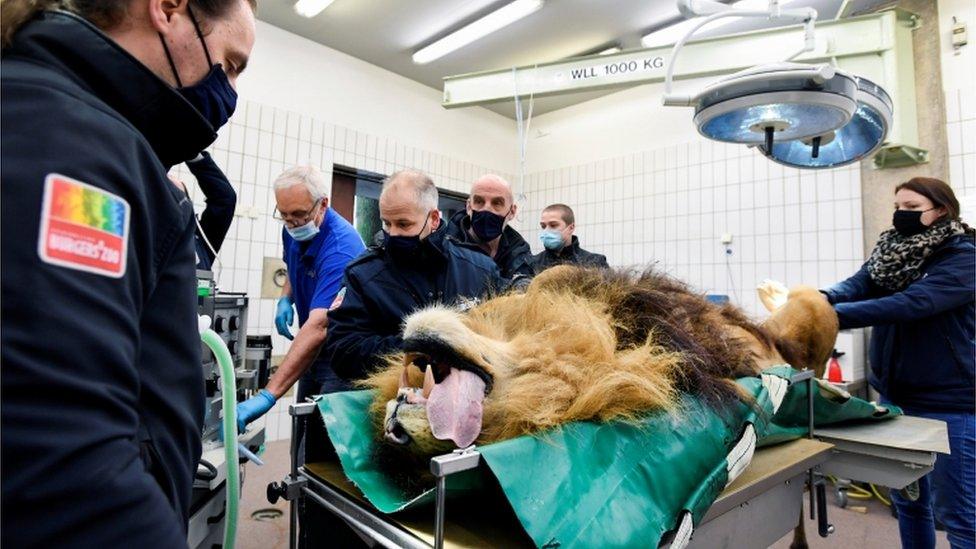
{"x":714,"y":11}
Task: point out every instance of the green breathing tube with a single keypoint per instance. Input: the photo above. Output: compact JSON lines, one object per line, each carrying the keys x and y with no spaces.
{"x":228,"y":388}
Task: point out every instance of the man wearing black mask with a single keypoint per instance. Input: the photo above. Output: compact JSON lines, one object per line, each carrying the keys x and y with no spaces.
{"x":418,"y":265}
{"x":485,"y":223}
{"x":103,"y":396}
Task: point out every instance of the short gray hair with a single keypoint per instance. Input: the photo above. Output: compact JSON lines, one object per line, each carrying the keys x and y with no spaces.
{"x":419,"y":182}
{"x":309,"y":176}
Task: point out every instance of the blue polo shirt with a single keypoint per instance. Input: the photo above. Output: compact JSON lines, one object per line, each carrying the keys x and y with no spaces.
{"x":315,"y":272}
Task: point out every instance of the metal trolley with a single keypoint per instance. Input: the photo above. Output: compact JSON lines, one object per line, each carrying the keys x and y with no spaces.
{"x":758,"y":508}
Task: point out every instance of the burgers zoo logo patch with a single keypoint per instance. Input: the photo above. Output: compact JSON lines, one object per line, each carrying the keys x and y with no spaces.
{"x":83,"y":227}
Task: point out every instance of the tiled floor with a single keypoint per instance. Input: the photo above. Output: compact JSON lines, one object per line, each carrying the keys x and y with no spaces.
{"x":873,"y":529}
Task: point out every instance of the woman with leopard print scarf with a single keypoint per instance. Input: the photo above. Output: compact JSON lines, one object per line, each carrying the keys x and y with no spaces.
{"x":917,"y":292}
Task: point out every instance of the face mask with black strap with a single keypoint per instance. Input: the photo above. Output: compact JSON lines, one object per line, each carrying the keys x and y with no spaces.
{"x":909,"y":222}
{"x":404,"y":248}
{"x":213,"y":96}
{"x":487,"y":225}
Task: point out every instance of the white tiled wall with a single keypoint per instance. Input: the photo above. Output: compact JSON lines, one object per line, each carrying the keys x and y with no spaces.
{"x":961,"y":133}
{"x":259,"y":143}
{"x":669,"y":206}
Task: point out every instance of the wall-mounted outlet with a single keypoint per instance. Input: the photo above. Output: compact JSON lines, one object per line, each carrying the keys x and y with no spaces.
{"x":960,"y":37}
{"x":274,"y":274}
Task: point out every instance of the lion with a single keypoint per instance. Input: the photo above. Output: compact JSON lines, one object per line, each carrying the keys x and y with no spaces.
{"x":581,"y":345}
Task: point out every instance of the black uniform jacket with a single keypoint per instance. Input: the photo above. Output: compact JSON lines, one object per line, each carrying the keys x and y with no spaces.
{"x":378,"y":293}
{"x":102,"y":388}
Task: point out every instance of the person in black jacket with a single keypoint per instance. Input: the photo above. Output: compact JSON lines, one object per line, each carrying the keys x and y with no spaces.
{"x":217,"y":215}
{"x":485,"y":223}
{"x":561,"y":245}
{"x":103,"y":396}
{"x":418,"y":265}
{"x":917,"y":291}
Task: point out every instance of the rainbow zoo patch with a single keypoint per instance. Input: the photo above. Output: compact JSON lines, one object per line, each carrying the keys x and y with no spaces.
{"x":83,"y":227}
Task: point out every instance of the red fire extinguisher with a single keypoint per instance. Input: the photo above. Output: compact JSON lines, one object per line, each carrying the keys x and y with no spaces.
{"x":833,"y":367}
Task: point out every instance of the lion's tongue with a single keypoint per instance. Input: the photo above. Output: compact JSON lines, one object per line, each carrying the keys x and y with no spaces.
{"x":454,"y":407}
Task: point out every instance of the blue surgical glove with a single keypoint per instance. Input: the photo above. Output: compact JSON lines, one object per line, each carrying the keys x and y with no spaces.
{"x":253,"y":408}
{"x":285,"y":315}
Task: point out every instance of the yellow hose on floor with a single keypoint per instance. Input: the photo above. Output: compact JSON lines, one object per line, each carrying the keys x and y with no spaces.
{"x":878,"y":495}
{"x":856,"y":492}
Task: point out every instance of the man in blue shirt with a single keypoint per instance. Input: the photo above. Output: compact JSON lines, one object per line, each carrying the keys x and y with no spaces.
{"x":318,"y":244}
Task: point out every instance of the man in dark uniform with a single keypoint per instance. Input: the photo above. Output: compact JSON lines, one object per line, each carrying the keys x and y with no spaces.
{"x":485,"y":223}
{"x":102,"y":385}
{"x":216,"y":218}
{"x":561,"y":245}
{"x":418,"y":265}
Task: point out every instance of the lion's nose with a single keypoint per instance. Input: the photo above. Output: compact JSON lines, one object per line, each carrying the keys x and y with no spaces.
{"x":395,"y":432}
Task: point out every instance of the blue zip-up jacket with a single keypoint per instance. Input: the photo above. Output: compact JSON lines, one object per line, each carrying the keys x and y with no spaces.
{"x":379,"y":294}
{"x":922,"y":343}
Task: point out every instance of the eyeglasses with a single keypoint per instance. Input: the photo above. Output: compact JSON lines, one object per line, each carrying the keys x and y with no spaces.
{"x":296,"y":219}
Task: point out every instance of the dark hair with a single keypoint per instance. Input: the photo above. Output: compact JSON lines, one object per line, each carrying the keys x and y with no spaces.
{"x":941,"y":195}
{"x":564,"y":211}
{"x":104,"y":14}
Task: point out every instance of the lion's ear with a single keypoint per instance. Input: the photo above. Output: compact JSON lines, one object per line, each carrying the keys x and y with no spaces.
{"x":808,"y":324}
{"x":772,"y":294}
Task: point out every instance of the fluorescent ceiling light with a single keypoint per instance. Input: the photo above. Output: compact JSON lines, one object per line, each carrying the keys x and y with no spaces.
{"x":669,"y":35}
{"x":488,"y":24}
{"x":608,"y":51}
{"x":311,"y":8}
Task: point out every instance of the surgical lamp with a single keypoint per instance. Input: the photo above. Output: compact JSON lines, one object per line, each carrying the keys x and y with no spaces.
{"x":860,"y":138}
{"x":781,"y":102}
{"x":810,"y":116}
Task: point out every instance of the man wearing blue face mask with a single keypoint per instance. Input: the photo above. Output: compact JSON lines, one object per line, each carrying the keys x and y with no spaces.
{"x":318,"y":244}
{"x":561,"y":245}
{"x":485,"y":224}
{"x":417,"y":265}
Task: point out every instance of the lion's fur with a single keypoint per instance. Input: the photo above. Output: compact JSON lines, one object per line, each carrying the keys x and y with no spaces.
{"x":554,"y":358}
{"x":584,"y":344}
{"x":807,"y":309}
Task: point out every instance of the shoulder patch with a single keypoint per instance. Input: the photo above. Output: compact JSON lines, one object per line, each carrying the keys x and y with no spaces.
{"x":83,"y":227}
{"x":338,"y":299}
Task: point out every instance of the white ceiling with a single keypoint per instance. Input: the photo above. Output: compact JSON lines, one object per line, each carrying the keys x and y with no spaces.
{"x":387,"y":32}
